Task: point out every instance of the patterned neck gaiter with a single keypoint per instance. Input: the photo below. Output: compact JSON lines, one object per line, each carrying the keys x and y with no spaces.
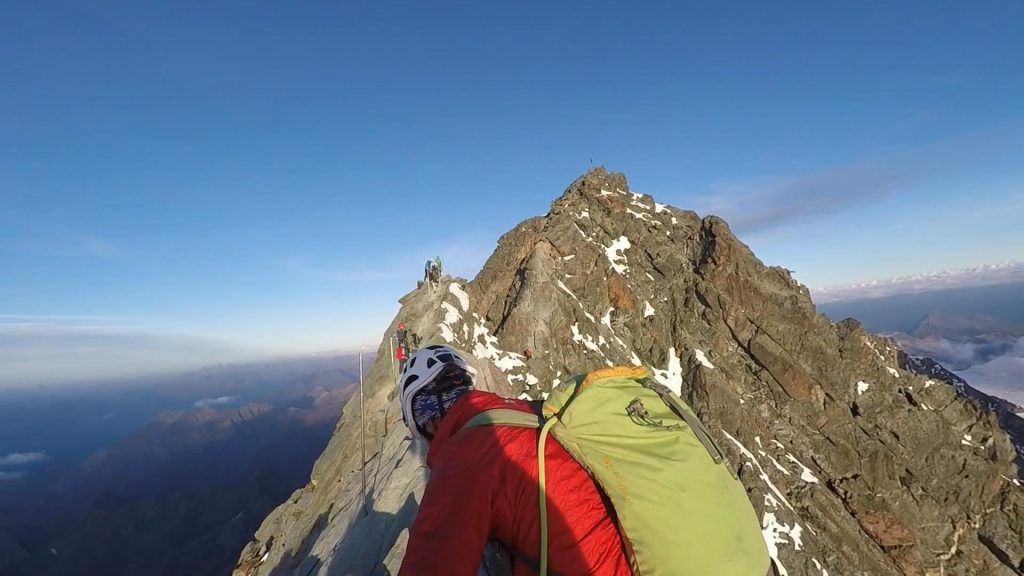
{"x":433,"y":403}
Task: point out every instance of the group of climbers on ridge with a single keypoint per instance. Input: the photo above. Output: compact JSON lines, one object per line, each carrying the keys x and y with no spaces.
{"x":432,"y":270}
{"x":494,"y":479}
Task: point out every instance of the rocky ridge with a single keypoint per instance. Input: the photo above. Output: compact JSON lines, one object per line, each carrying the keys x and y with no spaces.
{"x":854,"y":464}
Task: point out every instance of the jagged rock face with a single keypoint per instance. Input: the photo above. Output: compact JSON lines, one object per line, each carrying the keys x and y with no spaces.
{"x":854,"y":465}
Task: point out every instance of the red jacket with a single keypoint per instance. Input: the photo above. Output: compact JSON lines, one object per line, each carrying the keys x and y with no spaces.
{"x":483,"y":484}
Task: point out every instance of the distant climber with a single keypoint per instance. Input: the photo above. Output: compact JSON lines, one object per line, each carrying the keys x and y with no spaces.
{"x":483,"y":484}
{"x":437,"y":266}
{"x":428,"y":268}
{"x":401,"y":356}
{"x":401,"y":335}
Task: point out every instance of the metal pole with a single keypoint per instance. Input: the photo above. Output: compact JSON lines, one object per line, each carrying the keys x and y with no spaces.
{"x":394,"y":367}
{"x":362,"y":431}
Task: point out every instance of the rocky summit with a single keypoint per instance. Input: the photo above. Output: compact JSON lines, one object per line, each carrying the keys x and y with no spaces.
{"x":855,"y":464}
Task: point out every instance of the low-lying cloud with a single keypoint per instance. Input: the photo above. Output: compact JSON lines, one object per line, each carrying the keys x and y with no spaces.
{"x":993,"y":363}
{"x":22,"y":458}
{"x":211,"y":402}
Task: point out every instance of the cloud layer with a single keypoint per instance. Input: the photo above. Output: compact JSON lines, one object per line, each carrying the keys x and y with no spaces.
{"x":22,"y":458}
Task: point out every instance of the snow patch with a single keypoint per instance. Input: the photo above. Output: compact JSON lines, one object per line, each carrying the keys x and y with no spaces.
{"x":584,"y":214}
{"x":446,"y":332}
{"x":1013,"y":481}
{"x":805,"y":472}
{"x":928,"y":384}
{"x":649,"y":277}
{"x":672,"y":376}
{"x":616,"y":252}
{"x":567,"y":291}
{"x":763,"y":475}
{"x":893,"y":371}
{"x":635,"y":360}
{"x":607,"y":318}
{"x":862,"y":387}
{"x":818,"y":566}
{"x":586,"y":339}
{"x":569,"y":257}
{"x":451,"y":314}
{"x":640,"y":215}
{"x":659,"y":208}
{"x":702,"y":358}
{"x":461,"y":295}
{"x":779,"y":466}
{"x":648,"y":309}
{"x":776,"y":533}
{"x":605,"y":192}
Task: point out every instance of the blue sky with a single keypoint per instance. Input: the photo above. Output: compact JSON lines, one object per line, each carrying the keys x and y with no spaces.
{"x":187,"y":183}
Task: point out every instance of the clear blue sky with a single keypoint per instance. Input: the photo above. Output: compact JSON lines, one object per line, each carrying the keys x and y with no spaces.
{"x":191,"y":182}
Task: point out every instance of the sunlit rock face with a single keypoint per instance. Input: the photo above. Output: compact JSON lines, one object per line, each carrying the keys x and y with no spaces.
{"x":854,"y":464}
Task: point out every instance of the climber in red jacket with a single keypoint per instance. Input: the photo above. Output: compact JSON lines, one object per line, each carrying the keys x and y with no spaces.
{"x":483,"y":484}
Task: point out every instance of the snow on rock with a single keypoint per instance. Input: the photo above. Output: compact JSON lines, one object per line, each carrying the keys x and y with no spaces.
{"x":586,"y":339}
{"x":634,"y":359}
{"x":862,"y":387}
{"x":446,"y":332}
{"x":451,"y":314}
{"x":968,"y":440}
{"x":544,"y":395}
{"x":776,"y":533}
{"x":1013,"y":481}
{"x":780,"y":467}
{"x":584,"y":214}
{"x":616,"y":252}
{"x":607,"y":318}
{"x":672,"y":376}
{"x":928,"y":384}
{"x":805,"y":472}
{"x":875,"y":350}
{"x":461,"y":295}
{"x":893,"y":371}
{"x":702,"y":358}
{"x":763,"y":475}
{"x":640,"y":215}
{"x":525,"y":396}
{"x":649,"y":277}
{"x":486,"y":349}
{"x":567,"y":291}
{"x":648,"y":309}
{"x":659,"y":208}
{"x":819,"y":567}
{"x":569,"y":257}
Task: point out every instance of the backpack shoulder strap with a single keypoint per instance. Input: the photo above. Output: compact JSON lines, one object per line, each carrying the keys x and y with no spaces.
{"x":504,"y":417}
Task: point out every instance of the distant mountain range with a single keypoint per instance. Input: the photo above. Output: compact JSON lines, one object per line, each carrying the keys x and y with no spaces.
{"x":985,"y":275}
{"x":181,"y":493}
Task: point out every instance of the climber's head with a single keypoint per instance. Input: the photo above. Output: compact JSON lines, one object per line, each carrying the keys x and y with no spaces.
{"x":433,"y":379}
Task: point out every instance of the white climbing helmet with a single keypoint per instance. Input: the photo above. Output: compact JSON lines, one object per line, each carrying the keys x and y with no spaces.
{"x":423,"y":368}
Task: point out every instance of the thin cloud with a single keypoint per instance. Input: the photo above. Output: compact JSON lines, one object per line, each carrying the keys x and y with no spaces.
{"x":219,"y":401}
{"x":66,"y":244}
{"x":984,"y":275}
{"x":763,"y":205}
{"x":23,"y":458}
{"x":5,"y":476}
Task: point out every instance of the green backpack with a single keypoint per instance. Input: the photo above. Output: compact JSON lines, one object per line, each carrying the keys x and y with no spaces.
{"x":680,"y":508}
